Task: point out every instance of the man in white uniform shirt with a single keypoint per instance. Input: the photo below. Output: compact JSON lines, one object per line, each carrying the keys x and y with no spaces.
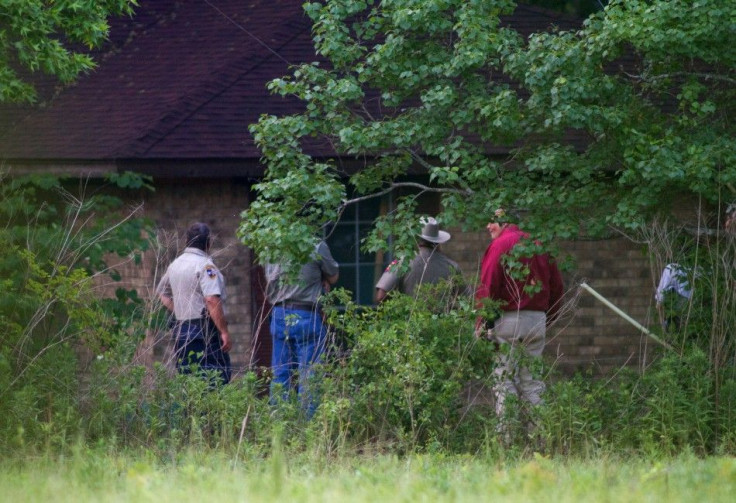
{"x":194,"y":290}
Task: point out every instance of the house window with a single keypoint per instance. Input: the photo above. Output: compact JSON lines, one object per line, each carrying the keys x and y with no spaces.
{"x":359,"y":271}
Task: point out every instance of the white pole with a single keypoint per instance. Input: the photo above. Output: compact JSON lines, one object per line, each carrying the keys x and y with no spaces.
{"x":625,"y":316}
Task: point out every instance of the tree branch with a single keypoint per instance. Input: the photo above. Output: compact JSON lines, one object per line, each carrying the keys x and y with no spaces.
{"x":393,"y":186}
{"x":706,"y":76}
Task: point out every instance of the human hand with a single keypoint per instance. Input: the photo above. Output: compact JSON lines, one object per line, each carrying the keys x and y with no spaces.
{"x":225,"y":338}
{"x":731,"y":224}
{"x":478,"y":328}
{"x":482,"y":332}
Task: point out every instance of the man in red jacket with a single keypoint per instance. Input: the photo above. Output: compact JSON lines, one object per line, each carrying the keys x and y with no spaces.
{"x":529,"y":291}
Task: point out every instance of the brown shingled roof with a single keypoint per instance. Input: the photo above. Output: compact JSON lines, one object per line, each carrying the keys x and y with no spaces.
{"x":184,"y":81}
{"x":181,"y":81}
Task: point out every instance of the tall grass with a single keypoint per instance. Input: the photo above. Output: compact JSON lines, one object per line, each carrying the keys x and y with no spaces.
{"x":105,"y":475}
{"x":705,"y":344}
{"x":406,"y":378}
{"x":419,"y":386}
{"x":56,"y":243}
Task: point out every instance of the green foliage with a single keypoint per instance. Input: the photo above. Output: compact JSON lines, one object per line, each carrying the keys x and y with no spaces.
{"x":406,"y":378}
{"x":575,"y":414}
{"x":704,"y":323}
{"x":671,"y":407}
{"x":646,"y":87}
{"x":678,"y":403}
{"x":53,"y":264}
{"x":103,"y":473}
{"x":402,"y":382}
{"x":41,"y":36}
{"x":165,"y":412}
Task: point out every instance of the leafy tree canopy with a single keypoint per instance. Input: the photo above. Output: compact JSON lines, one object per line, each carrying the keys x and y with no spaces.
{"x":603,"y":124}
{"x":42,"y":36}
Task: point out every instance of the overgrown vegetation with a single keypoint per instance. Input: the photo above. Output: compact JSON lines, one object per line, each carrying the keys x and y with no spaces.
{"x":707,"y":322}
{"x":608,"y":122}
{"x":407,"y":377}
{"x":54,"y":272}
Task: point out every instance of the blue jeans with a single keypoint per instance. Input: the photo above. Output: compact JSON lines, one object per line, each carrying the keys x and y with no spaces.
{"x":298,"y":344}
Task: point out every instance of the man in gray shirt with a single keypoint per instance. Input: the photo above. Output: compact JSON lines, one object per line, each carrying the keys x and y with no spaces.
{"x":429,"y":266}
{"x":297,"y":331}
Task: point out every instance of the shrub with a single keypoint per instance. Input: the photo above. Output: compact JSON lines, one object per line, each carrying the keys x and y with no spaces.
{"x":54,"y":248}
{"x":401,"y":382}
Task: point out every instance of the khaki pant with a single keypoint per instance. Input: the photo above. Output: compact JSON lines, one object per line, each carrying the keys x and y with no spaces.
{"x":525,"y":332}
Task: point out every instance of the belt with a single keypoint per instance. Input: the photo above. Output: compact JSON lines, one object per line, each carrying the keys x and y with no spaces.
{"x":301,"y":306}
{"x":204,"y":323}
{"x":191,"y":321}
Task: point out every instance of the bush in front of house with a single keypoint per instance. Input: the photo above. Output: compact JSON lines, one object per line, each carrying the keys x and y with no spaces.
{"x":53,"y":269}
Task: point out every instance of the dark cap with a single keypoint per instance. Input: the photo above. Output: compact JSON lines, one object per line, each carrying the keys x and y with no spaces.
{"x":198,"y":236}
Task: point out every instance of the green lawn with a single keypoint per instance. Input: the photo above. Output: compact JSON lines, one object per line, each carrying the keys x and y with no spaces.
{"x":213,"y":477}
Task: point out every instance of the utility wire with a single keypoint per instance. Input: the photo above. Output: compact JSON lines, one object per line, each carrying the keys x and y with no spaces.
{"x":242,"y":28}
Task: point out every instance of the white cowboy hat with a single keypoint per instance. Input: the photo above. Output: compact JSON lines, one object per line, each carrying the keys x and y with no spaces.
{"x":431,"y":231}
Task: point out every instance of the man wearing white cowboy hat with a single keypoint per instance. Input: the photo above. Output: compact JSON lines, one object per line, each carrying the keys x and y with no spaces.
{"x":429,"y":266}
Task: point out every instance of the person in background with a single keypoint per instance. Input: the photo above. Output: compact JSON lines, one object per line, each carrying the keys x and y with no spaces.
{"x":672,"y":295}
{"x":193,"y":289}
{"x":429,"y":265}
{"x":297,"y":331}
{"x":529,"y":299}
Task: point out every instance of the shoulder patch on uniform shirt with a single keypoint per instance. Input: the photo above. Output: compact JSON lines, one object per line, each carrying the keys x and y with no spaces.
{"x":211,"y":271}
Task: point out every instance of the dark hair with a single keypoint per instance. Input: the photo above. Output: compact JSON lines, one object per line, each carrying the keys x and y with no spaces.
{"x":198,"y":236}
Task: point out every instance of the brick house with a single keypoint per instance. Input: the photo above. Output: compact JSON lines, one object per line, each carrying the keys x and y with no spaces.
{"x":174,"y":93}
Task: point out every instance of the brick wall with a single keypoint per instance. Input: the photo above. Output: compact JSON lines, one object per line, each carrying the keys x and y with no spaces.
{"x":173,"y":207}
{"x":592,"y":334}
{"x":588,"y":335}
